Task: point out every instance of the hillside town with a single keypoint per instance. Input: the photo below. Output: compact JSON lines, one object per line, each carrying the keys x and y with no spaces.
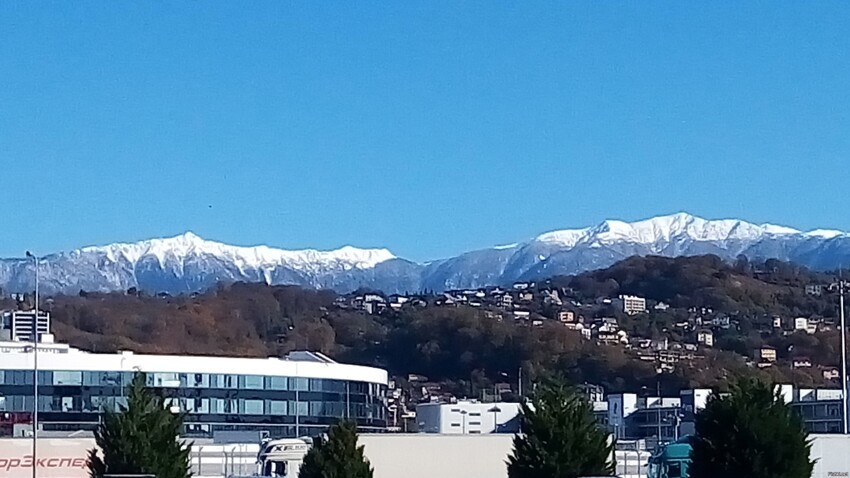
{"x":602,"y":320}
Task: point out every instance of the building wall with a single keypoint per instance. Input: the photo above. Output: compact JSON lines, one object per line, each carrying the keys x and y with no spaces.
{"x":633,"y":304}
{"x":620,"y":407}
{"x":693,"y":401}
{"x":21,"y":324}
{"x":285,"y":398}
{"x":469,"y":418}
{"x":820,"y":416}
{"x":391,"y":455}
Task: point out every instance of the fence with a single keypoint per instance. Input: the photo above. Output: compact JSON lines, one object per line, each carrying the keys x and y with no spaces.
{"x":632,"y":463}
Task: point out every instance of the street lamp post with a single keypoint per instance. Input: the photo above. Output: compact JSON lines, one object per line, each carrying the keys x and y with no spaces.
{"x":843,"y":353}
{"x":495,"y":411}
{"x":463,"y":416}
{"x":34,"y":369}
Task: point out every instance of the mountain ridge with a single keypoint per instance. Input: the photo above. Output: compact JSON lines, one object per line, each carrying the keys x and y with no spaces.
{"x":189,"y":263}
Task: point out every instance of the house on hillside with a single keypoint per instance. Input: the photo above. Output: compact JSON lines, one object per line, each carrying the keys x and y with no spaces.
{"x":632,"y":304}
{"x":551,"y":297}
{"x":661,"y":306}
{"x":705,"y":337}
{"x":814,"y":289}
{"x":765,"y":354}
{"x":370,"y":303}
{"x":522,"y":314}
{"x":566,"y":316}
{"x":801,"y":362}
{"x":504,"y":300}
{"x":831,"y":373}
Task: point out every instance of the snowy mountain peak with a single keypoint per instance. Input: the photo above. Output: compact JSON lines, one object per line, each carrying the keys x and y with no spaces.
{"x":664,"y":229}
{"x":189,"y":244}
{"x":188,"y":262}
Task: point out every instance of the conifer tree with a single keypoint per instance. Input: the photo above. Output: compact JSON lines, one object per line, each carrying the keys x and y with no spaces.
{"x":337,"y":456}
{"x":141,"y":438}
{"x":560,"y":438}
{"x":751,"y":432}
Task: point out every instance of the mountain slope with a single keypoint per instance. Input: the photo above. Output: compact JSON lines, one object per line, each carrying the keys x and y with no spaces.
{"x":188,"y":263}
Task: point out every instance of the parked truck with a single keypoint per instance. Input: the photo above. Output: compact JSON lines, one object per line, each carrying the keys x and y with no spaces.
{"x":831,"y":454}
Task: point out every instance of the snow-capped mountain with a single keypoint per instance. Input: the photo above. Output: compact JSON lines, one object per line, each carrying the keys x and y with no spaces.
{"x":189,"y":263}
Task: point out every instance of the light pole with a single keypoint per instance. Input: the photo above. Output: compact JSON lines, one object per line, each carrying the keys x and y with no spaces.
{"x":463,"y":416}
{"x":495,"y":411}
{"x":519,"y":383}
{"x":843,"y":353}
{"x":34,"y":370}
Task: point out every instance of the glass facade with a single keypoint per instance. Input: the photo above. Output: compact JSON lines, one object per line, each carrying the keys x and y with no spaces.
{"x":820,"y":416}
{"x":282,"y":406}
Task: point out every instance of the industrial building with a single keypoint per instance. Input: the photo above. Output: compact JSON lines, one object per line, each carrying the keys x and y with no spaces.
{"x":467,"y":417}
{"x":297,"y":395}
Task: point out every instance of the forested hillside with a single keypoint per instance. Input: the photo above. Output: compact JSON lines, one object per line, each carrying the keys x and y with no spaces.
{"x":469,"y":348}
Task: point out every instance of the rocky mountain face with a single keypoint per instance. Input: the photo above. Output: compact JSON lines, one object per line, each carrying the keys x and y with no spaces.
{"x":188,"y":263}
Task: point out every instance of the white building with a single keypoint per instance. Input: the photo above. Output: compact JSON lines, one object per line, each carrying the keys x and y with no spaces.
{"x":18,"y":325}
{"x":467,"y":417}
{"x":801,"y":323}
{"x":300,"y":394}
{"x":620,"y":408}
{"x":705,"y":337}
{"x":633,"y":304}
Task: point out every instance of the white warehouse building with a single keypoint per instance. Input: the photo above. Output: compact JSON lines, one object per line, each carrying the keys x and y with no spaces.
{"x":467,"y":417}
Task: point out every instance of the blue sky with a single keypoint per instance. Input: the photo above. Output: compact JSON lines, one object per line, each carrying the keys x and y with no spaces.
{"x":430,"y":128}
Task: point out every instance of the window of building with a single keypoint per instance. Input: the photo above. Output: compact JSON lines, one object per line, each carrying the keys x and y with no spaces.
{"x":67,"y":378}
{"x":299,"y":384}
{"x":251,"y":382}
{"x":252,"y":407}
{"x":194,"y":380}
{"x":276,"y":407}
{"x":277,"y":383}
{"x":19,"y":377}
{"x":358,"y":388}
{"x":317,"y":409}
{"x":337,"y":386}
{"x":159,"y":379}
{"x":299,"y":408}
{"x":222,"y":381}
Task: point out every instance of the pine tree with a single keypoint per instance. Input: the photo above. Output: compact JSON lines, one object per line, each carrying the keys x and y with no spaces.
{"x":560,"y":438}
{"x":140,"y":438}
{"x":338,"y":456}
{"x":751,"y":432}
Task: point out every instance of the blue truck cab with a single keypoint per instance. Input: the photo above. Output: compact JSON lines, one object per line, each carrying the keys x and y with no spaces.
{"x":671,"y":460}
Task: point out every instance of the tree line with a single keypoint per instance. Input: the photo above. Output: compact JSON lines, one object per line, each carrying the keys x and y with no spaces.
{"x":750,"y":432}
